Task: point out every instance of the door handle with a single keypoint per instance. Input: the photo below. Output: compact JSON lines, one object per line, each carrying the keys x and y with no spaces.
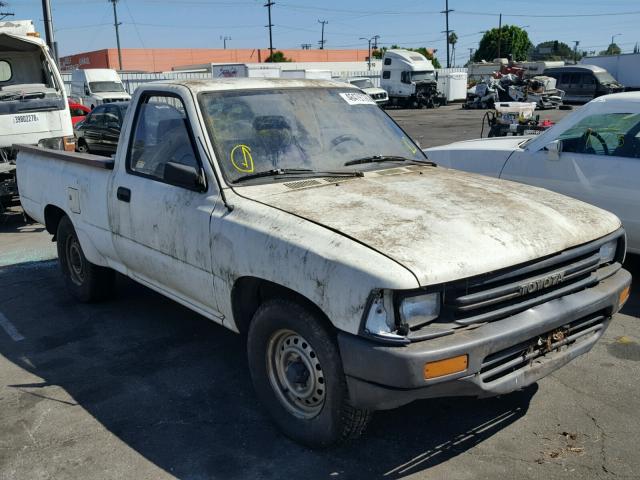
{"x":123,"y":194}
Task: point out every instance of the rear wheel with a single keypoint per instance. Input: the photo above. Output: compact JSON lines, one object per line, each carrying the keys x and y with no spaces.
{"x":86,"y":281}
{"x":82,"y":147}
{"x":297,"y":373}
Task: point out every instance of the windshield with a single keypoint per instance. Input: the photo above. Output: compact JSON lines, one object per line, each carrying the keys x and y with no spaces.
{"x":317,"y":129}
{"x":605,"y":77}
{"x":100,"y":87}
{"x":364,"y":83}
{"x":424,"y":75}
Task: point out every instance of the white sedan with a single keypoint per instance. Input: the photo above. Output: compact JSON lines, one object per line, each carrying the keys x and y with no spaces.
{"x":593,"y":154}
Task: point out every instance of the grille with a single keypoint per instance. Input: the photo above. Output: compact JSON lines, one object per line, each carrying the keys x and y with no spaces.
{"x":518,"y":357}
{"x":470,"y":303}
{"x":487,"y":299}
{"x":302,"y":184}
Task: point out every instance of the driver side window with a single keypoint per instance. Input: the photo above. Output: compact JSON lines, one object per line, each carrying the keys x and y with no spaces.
{"x":608,"y":134}
{"x":160,"y":135}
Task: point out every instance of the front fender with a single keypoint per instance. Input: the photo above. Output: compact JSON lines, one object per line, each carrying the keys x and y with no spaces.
{"x":334,"y":272}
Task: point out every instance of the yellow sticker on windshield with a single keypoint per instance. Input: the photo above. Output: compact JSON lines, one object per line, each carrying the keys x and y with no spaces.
{"x":409,"y":145}
{"x":241,"y":159}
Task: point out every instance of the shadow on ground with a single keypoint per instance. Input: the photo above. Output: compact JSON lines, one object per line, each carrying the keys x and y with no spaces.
{"x":175,"y":388}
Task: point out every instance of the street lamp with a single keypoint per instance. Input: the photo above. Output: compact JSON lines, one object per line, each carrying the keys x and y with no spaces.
{"x":613,"y":37}
{"x":369,"y":40}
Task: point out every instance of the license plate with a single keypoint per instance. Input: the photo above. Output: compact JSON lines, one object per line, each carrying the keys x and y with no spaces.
{"x":27,"y":118}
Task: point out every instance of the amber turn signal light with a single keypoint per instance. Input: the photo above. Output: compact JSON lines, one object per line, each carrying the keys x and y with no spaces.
{"x":444,"y":367}
{"x":69,"y":144}
{"x":624,"y":296}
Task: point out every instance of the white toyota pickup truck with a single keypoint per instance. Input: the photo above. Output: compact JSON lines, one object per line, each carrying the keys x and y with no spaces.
{"x":364,"y":276}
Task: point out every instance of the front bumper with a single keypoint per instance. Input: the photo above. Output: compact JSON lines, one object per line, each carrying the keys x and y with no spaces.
{"x":382,"y":376}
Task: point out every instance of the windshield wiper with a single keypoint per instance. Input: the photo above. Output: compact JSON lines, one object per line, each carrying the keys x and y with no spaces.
{"x":15,"y":95}
{"x":387,"y":158}
{"x":297,"y":171}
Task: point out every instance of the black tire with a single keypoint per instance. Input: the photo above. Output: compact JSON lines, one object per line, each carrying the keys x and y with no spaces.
{"x":336,"y":420}
{"x":82,"y":147}
{"x":86,"y":282}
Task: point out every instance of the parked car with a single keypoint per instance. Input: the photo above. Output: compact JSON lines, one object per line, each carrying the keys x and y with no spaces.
{"x":365,"y":277}
{"x":582,"y":83}
{"x":100,"y":130}
{"x":593,"y":154}
{"x":379,"y":95}
{"x":78,"y":112}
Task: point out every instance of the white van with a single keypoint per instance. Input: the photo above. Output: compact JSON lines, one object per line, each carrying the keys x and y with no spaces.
{"x":33,"y":104}
{"x":95,"y":86}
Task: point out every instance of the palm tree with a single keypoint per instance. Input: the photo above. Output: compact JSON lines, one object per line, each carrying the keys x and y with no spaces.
{"x":453,"y":39}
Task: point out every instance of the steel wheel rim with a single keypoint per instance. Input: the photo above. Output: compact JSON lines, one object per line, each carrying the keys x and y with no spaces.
{"x":295,"y":374}
{"x":75,"y":261}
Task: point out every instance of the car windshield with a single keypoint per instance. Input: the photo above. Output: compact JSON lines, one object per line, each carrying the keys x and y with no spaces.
{"x":605,"y":77}
{"x":318,"y":129}
{"x":363,"y":83}
{"x":425,"y":75}
{"x":100,"y":87}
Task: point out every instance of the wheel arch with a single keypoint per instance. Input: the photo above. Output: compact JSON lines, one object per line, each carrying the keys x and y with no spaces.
{"x":52,"y":216}
{"x":248,"y":293}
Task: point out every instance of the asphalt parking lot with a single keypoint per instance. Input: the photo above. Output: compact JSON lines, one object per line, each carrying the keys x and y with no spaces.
{"x":140,"y":387}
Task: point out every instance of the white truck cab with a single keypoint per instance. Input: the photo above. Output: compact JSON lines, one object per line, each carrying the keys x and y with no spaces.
{"x":95,"y":86}
{"x":33,"y":105}
{"x":410,"y":79}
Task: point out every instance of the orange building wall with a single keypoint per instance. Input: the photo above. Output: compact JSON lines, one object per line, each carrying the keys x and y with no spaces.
{"x":163,"y":59}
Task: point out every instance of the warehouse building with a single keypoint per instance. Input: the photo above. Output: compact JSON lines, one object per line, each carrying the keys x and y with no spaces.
{"x":164,"y":59}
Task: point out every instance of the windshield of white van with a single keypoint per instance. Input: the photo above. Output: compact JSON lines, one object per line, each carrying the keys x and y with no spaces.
{"x":311,"y":129}
{"x":423,"y":75}
{"x":362,"y":83}
{"x":101,"y":87}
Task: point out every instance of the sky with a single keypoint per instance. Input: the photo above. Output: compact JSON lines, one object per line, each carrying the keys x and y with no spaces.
{"x":85,"y":25}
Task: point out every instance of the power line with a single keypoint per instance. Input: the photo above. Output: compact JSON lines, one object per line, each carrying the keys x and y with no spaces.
{"x":322,"y":40}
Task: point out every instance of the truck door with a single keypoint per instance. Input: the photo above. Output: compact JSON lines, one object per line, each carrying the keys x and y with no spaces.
{"x":161,"y":229}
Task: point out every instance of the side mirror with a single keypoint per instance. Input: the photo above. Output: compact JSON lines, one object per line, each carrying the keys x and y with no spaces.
{"x":183,"y":176}
{"x":87,"y":91}
{"x":554,"y":149}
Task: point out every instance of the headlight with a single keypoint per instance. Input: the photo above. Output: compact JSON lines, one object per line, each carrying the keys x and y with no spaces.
{"x":421,"y":309}
{"x":608,"y":252}
{"x":380,"y":318}
{"x":56,"y":143}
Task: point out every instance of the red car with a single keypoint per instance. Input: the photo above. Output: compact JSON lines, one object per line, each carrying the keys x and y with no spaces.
{"x":78,"y":112}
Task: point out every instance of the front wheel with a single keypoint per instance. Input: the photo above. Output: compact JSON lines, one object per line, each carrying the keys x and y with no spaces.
{"x":297,"y":373}
{"x":86,"y":281}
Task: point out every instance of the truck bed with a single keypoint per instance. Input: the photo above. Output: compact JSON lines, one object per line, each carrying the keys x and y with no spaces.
{"x":75,"y":183}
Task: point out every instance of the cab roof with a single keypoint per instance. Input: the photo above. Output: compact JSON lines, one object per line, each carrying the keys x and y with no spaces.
{"x":223,"y":84}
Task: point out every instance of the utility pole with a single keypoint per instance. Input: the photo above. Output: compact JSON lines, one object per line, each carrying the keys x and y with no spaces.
{"x":575,"y":51}
{"x":117,"y":25}
{"x":224,"y":41}
{"x":322,"y":40}
{"x":470,"y":54}
{"x":446,"y":12}
{"x":48,"y":28}
{"x":269,"y":4}
{"x":499,"y":34}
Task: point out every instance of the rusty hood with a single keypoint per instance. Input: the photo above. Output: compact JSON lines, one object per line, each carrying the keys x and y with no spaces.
{"x":442,"y":224}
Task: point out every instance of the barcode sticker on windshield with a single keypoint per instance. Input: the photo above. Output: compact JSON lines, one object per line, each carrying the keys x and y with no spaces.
{"x":357,"y":98}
